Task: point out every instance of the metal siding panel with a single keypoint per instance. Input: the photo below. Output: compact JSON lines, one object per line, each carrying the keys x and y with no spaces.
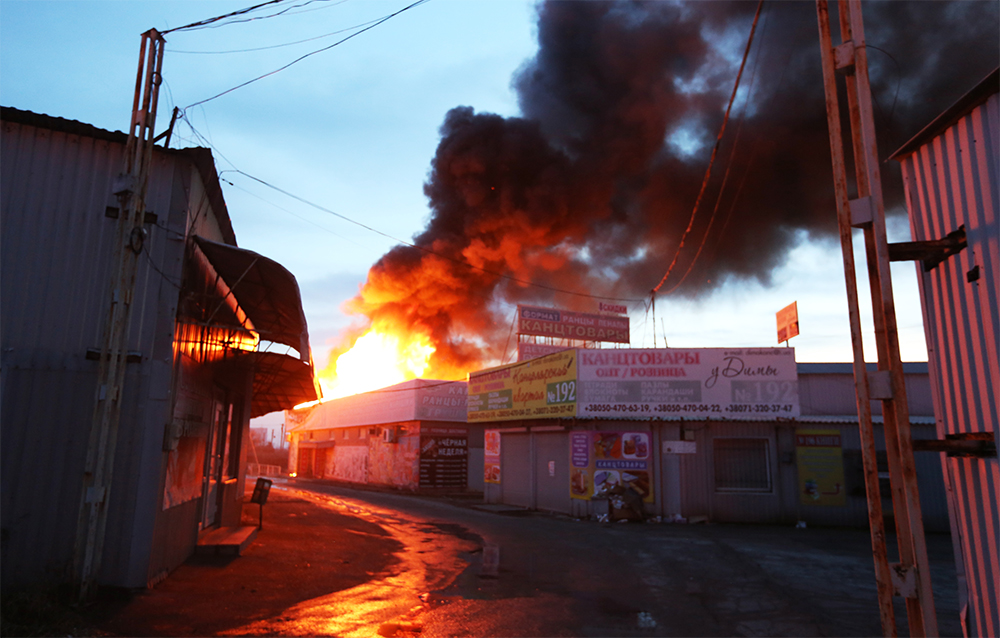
{"x":55,"y":253}
{"x":953,"y":180}
{"x":552,"y":491}
{"x":515,"y":469}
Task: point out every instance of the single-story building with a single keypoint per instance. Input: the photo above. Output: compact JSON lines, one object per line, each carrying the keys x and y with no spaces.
{"x":721,"y":434}
{"x":412,"y":436}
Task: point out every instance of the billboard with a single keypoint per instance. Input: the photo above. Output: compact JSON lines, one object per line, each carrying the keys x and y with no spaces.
{"x":539,"y":388}
{"x":696,"y":383}
{"x":563,"y":324}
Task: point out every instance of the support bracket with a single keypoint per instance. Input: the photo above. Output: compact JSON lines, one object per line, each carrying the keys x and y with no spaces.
{"x":931,"y":252}
{"x":981,"y":445}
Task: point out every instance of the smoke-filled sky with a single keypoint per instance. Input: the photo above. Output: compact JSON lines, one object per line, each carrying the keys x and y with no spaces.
{"x":561,"y":144}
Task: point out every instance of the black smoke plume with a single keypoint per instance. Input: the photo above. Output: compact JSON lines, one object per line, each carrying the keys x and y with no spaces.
{"x":591,"y":188}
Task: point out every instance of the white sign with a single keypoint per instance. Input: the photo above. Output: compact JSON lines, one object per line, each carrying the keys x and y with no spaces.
{"x":527,"y":350}
{"x":615,"y":308}
{"x":698,"y":383}
{"x":788,"y":322}
{"x":680,"y":447}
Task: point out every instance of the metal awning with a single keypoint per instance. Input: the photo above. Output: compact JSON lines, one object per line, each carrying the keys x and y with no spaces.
{"x":267,"y":292}
{"x":269,"y":296}
{"x":280,"y":382}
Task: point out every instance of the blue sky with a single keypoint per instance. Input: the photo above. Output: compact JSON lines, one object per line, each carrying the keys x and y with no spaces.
{"x":354,"y":129}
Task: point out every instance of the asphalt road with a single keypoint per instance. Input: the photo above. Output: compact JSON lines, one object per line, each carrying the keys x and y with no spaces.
{"x":557,"y":576}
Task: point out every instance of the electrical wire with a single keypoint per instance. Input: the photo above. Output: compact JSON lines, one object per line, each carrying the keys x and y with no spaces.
{"x":715,"y":151}
{"x":203,"y":23}
{"x":428,"y":251}
{"x":278,"y":46}
{"x":729,"y":166}
{"x":311,"y":53}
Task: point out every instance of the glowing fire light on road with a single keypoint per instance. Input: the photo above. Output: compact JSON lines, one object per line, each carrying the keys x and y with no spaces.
{"x":376,"y":360}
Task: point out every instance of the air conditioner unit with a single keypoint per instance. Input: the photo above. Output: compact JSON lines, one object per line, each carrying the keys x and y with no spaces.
{"x":389,"y":435}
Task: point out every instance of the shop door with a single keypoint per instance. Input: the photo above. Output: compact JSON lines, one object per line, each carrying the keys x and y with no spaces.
{"x":515,"y":464}
{"x":552,"y":471}
{"x":216,"y":459}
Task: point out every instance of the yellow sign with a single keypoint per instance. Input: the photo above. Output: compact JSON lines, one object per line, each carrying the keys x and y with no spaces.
{"x":821,"y":467}
{"x":540,"y":388}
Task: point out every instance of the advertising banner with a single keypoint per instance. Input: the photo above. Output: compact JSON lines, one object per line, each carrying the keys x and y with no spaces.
{"x":696,"y":383}
{"x":602,"y":461}
{"x":527,"y":351}
{"x":539,"y":388}
{"x":491,"y":456}
{"x":563,"y":324}
{"x":444,"y":457}
{"x":820,"y":461}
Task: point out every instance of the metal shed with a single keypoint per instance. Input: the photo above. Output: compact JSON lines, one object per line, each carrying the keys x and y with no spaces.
{"x":194,"y":375}
{"x":951,"y":173}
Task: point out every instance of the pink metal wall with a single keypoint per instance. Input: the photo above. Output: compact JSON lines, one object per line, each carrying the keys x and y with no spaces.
{"x":951,"y":180}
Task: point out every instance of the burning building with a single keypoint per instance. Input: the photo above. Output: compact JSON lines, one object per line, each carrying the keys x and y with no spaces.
{"x":411,"y":436}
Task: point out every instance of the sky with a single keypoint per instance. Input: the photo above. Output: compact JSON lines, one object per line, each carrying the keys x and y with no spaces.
{"x":354,"y":129}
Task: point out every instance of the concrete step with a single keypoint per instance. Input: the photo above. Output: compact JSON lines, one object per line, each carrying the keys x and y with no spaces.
{"x":226,"y":540}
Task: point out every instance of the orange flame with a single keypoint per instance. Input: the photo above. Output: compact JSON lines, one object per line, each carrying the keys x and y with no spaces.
{"x":376,"y":360}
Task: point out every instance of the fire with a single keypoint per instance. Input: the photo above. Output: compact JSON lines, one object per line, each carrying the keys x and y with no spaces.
{"x":377,"y":359}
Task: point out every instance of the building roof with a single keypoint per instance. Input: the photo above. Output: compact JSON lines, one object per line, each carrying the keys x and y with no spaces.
{"x":200,"y":157}
{"x":979,"y":94}
{"x":415,"y":400}
{"x":909,"y":367}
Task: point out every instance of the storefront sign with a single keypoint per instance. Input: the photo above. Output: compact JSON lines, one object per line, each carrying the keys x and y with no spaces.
{"x":697,"y":383}
{"x":444,"y":457}
{"x":539,"y":388}
{"x":491,"y":456}
{"x":563,"y":324}
{"x":820,"y":461}
{"x":527,"y":351}
{"x":788,"y":322}
{"x":601,"y":462}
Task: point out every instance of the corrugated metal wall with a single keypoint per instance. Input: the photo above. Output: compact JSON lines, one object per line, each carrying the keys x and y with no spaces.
{"x":952,"y":180}
{"x":552,"y":471}
{"x":516,"y":470}
{"x":55,"y":246}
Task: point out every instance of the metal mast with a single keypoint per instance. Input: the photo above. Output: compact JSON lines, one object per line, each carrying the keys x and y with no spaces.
{"x":910,"y":578}
{"x":130,"y":189}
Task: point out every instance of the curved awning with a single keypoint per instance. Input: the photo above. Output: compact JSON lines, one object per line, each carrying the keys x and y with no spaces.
{"x":267,"y":292}
{"x":268,"y":295}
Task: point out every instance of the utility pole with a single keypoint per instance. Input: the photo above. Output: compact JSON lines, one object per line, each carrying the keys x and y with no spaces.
{"x":910,"y":577}
{"x":130,"y":189}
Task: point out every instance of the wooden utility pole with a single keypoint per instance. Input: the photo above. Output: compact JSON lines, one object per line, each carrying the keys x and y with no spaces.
{"x":130,"y":189}
{"x":910,"y":577}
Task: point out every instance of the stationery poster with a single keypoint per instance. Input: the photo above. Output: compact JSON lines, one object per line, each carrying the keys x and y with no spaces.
{"x":600,"y":462}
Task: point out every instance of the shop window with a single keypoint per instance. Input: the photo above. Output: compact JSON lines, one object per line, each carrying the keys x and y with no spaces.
{"x":742,"y":465}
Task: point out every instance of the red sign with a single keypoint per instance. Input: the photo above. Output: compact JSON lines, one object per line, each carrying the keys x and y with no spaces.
{"x":615,"y":308}
{"x":563,"y":324}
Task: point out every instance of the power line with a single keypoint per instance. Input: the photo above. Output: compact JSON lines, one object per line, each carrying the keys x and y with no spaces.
{"x":203,"y":23}
{"x":715,"y":151}
{"x":277,"y":46}
{"x":428,"y":251}
{"x":729,"y":166}
{"x":312,"y":53}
